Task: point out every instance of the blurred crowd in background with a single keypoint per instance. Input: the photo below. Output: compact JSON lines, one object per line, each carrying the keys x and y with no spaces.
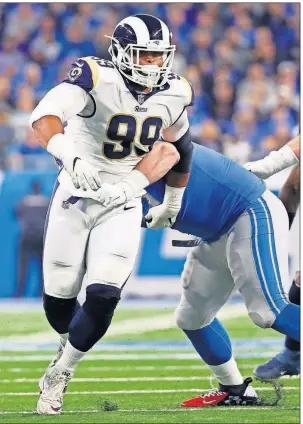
{"x":243,"y":60}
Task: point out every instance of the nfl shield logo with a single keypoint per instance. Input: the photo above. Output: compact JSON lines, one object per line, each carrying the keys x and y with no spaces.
{"x":141,"y":98}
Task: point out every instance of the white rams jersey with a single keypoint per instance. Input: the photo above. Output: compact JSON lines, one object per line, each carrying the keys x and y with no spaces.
{"x":118,"y":126}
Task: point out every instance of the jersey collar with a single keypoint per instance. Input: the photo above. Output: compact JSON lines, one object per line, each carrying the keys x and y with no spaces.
{"x":142,"y":97}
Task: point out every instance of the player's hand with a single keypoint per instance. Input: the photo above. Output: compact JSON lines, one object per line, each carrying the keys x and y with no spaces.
{"x":161,"y":216}
{"x":85,"y":176}
{"x":262,"y":169}
{"x":112,"y":194}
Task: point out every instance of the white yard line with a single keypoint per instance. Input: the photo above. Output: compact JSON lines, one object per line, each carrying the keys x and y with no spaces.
{"x":134,"y":392}
{"x":117,"y":356}
{"x":126,"y":368}
{"x":124,"y":327}
{"x":184,"y":410}
{"x":114,"y":379}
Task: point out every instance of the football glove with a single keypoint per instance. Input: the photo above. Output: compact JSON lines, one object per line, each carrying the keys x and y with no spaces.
{"x":165,"y":215}
{"x":161,"y":216}
{"x":112,"y":194}
{"x":84,"y":175}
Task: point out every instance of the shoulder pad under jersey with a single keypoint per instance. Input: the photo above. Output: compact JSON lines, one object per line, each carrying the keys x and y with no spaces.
{"x":84,"y":72}
{"x":182,"y":87}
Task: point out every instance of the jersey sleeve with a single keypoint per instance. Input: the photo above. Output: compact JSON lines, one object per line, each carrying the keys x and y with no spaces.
{"x":189,"y":93}
{"x":83,"y":73}
{"x":177,"y":129}
{"x":63,"y":101}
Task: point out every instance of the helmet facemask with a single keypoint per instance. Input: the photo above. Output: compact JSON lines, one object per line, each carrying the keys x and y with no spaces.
{"x":128,"y":62}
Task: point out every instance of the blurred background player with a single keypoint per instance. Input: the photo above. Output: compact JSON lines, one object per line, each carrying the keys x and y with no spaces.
{"x":115,"y":112}
{"x":31,"y":212}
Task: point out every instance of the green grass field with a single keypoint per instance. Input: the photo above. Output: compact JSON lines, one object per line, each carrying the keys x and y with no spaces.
{"x":143,"y":370}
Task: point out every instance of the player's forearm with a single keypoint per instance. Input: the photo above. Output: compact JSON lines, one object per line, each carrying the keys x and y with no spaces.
{"x":150,"y":169}
{"x":46,"y":127}
{"x":294,"y":144}
{"x":290,"y":192}
{"x":177,"y":179}
{"x":158,"y":161}
{"x":58,"y":105}
{"x":275,"y":162}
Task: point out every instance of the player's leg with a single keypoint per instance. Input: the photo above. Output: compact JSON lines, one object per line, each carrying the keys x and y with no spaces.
{"x":286,"y":362}
{"x":111,"y":254}
{"x":66,"y":235}
{"x":207,"y":285}
{"x":258,"y":259}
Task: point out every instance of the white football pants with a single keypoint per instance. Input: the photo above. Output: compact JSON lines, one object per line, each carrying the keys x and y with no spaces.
{"x":251,"y":258}
{"x":85,"y":237}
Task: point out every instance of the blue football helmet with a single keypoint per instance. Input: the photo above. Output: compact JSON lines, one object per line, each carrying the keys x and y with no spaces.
{"x":137,"y":35}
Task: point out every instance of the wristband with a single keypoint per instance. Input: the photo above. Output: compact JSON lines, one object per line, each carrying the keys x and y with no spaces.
{"x":173,"y":197}
{"x":134,"y":183}
{"x":62,"y":148}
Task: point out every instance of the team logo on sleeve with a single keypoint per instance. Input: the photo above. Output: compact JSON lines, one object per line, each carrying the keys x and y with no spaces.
{"x":74,"y":73}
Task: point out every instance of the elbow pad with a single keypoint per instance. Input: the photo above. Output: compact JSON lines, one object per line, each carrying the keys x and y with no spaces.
{"x":185,"y":149}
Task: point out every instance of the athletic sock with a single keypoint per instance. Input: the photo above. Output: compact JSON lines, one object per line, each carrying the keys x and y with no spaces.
{"x":70,"y":357}
{"x":213,"y":344}
{"x":63,"y":338}
{"x":227,"y":374}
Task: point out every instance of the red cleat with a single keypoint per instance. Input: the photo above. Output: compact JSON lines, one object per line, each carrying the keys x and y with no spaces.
{"x":239,"y":395}
{"x":212,"y":398}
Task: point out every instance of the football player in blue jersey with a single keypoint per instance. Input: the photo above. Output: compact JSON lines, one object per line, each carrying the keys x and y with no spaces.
{"x":243,"y":229}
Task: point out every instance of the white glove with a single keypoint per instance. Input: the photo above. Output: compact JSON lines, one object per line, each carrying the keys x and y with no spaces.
{"x":83,"y":174}
{"x":165,"y":215}
{"x":112,"y":195}
{"x":161,"y":216}
{"x":276,"y":161}
{"x":116,"y":194}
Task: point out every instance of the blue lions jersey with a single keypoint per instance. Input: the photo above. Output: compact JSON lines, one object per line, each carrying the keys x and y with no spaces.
{"x":218,"y":192}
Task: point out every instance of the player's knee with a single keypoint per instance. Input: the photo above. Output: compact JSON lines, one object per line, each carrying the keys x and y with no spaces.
{"x":264,"y":320}
{"x":101,"y":299}
{"x":189,"y":319}
{"x":59,"y":312}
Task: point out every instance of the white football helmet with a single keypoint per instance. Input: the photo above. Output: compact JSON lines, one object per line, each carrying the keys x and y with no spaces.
{"x":134,"y":36}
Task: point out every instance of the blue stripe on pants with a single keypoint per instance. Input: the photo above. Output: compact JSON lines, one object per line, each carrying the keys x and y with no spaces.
{"x":258,"y":262}
{"x":265,"y":257}
{"x":276,"y":264}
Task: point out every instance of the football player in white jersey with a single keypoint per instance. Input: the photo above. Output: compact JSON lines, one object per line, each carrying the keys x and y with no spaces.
{"x":115,"y":112}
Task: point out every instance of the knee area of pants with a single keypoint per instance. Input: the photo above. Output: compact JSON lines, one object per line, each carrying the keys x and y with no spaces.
{"x":189,"y":320}
{"x":261,"y":321}
{"x":65,"y":284}
{"x":101,"y":298}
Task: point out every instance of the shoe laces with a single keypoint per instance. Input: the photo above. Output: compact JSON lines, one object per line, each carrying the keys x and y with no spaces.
{"x":212,"y":393}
